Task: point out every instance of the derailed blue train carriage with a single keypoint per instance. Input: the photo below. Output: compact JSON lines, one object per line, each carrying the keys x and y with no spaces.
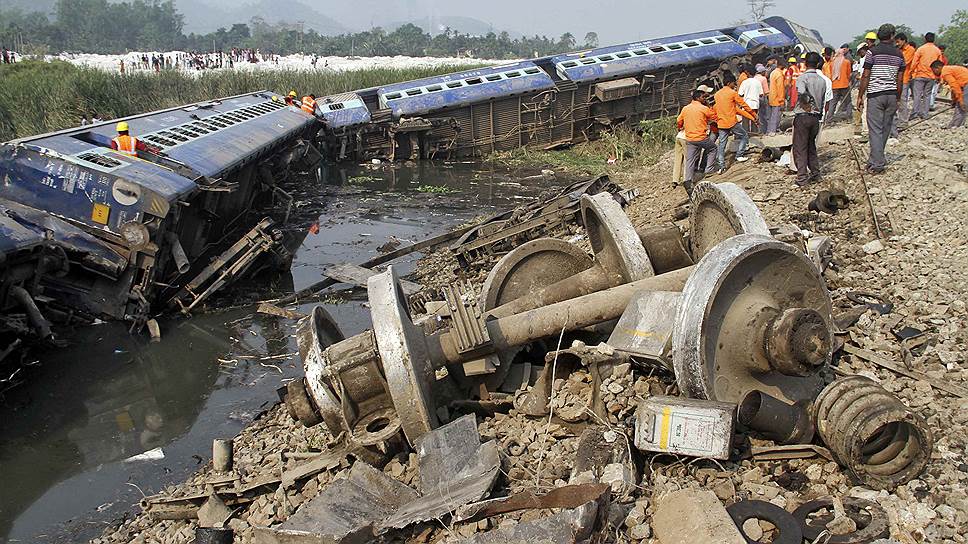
{"x":550,"y":101}
{"x":133,"y":232}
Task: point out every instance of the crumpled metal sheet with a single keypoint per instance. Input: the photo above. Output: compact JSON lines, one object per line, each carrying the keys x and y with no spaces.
{"x":454,"y":468}
{"x":29,"y":222}
{"x":348,"y":511}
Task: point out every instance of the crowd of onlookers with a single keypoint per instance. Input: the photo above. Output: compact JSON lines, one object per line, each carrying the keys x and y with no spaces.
{"x":194,"y":60}
{"x":8,"y":57}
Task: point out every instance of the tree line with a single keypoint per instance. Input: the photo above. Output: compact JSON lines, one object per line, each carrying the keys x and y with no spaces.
{"x":97,"y":26}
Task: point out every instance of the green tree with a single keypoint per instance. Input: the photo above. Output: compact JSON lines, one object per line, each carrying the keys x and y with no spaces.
{"x":591,"y":40}
{"x":567,"y":41}
{"x":955,"y":36}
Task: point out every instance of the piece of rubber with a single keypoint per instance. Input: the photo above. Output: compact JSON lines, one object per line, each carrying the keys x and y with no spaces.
{"x":788,"y":529}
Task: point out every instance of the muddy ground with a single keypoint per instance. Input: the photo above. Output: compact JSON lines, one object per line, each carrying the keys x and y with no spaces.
{"x":922,"y":269}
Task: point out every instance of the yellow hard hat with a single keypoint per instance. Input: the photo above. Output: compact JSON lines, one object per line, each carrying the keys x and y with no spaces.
{"x":792,"y":59}
{"x":123,"y":126}
{"x":803,"y":56}
{"x":870,"y":36}
{"x":292,"y":94}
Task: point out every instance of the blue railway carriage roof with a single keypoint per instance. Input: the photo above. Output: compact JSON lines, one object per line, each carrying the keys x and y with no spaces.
{"x":343,"y":110}
{"x":463,"y":88}
{"x":75,"y":174}
{"x":646,"y":56}
{"x":756,"y":34}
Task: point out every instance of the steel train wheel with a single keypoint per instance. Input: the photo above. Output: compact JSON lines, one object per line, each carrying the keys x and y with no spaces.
{"x":720,"y":211}
{"x":536,"y":264}
{"x":735,"y":306}
{"x":409,"y":374}
{"x":614,"y":241}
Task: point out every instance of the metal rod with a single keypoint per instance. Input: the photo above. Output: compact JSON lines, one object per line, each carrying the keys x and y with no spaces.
{"x":576,"y":313}
{"x":863,"y":181}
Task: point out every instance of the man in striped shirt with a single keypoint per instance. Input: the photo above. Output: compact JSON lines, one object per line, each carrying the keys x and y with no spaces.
{"x":881,"y":86}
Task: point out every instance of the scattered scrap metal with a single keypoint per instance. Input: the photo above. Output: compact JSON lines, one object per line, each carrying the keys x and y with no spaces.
{"x":735,"y":323}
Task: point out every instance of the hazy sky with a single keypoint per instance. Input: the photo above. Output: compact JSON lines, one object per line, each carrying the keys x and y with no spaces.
{"x":628,"y":20}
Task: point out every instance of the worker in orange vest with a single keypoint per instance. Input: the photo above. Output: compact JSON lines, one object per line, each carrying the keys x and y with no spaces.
{"x":956,"y":78}
{"x":309,"y":104}
{"x":922,"y":77}
{"x":792,"y":73}
{"x":127,"y":144}
{"x":907,"y":51}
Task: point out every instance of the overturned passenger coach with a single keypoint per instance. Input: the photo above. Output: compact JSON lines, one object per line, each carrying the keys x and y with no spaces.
{"x":545,"y":102}
{"x":97,"y":233}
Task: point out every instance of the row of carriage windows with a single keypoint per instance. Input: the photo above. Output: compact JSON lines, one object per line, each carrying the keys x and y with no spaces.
{"x":646,"y":51}
{"x":467,"y":82}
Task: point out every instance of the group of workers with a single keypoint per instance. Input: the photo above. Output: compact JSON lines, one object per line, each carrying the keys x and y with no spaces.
{"x":307,"y":104}
{"x":818,"y":89}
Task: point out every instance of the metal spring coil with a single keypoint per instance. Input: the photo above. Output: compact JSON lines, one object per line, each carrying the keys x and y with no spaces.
{"x":881,"y":441}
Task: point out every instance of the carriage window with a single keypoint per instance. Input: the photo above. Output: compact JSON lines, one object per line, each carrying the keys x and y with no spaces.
{"x":393,"y":96}
{"x":473,"y":81}
{"x":623,"y":55}
{"x":531,"y":71}
{"x":569,"y":64}
{"x":641,"y":52}
{"x":414,"y":92}
{"x":691,"y":44}
{"x":708,"y":41}
{"x":722,"y":39}
{"x":657,"y":49}
{"x":605,"y":58}
{"x":588,"y":61}
{"x":336,"y":106}
{"x":512,"y":74}
{"x":434,"y":88}
{"x":454,"y":85}
{"x":494,"y":78}
{"x":675,"y":46}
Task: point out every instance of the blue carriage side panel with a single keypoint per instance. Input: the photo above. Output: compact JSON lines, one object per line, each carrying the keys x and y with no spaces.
{"x":463,"y":88}
{"x":647,"y":56}
{"x":756,"y":34}
{"x":343,"y":110}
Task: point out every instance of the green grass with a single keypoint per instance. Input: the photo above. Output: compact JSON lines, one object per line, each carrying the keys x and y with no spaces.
{"x":437,"y":189}
{"x":629,"y":147}
{"x":37,"y":97}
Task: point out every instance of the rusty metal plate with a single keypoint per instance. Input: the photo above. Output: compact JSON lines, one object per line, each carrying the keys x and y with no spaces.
{"x":407,"y":367}
{"x":717,"y":344}
{"x":614,"y":241}
{"x":719,"y":211}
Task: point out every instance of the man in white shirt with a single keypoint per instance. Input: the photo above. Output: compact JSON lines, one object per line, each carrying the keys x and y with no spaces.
{"x":751,"y":90}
